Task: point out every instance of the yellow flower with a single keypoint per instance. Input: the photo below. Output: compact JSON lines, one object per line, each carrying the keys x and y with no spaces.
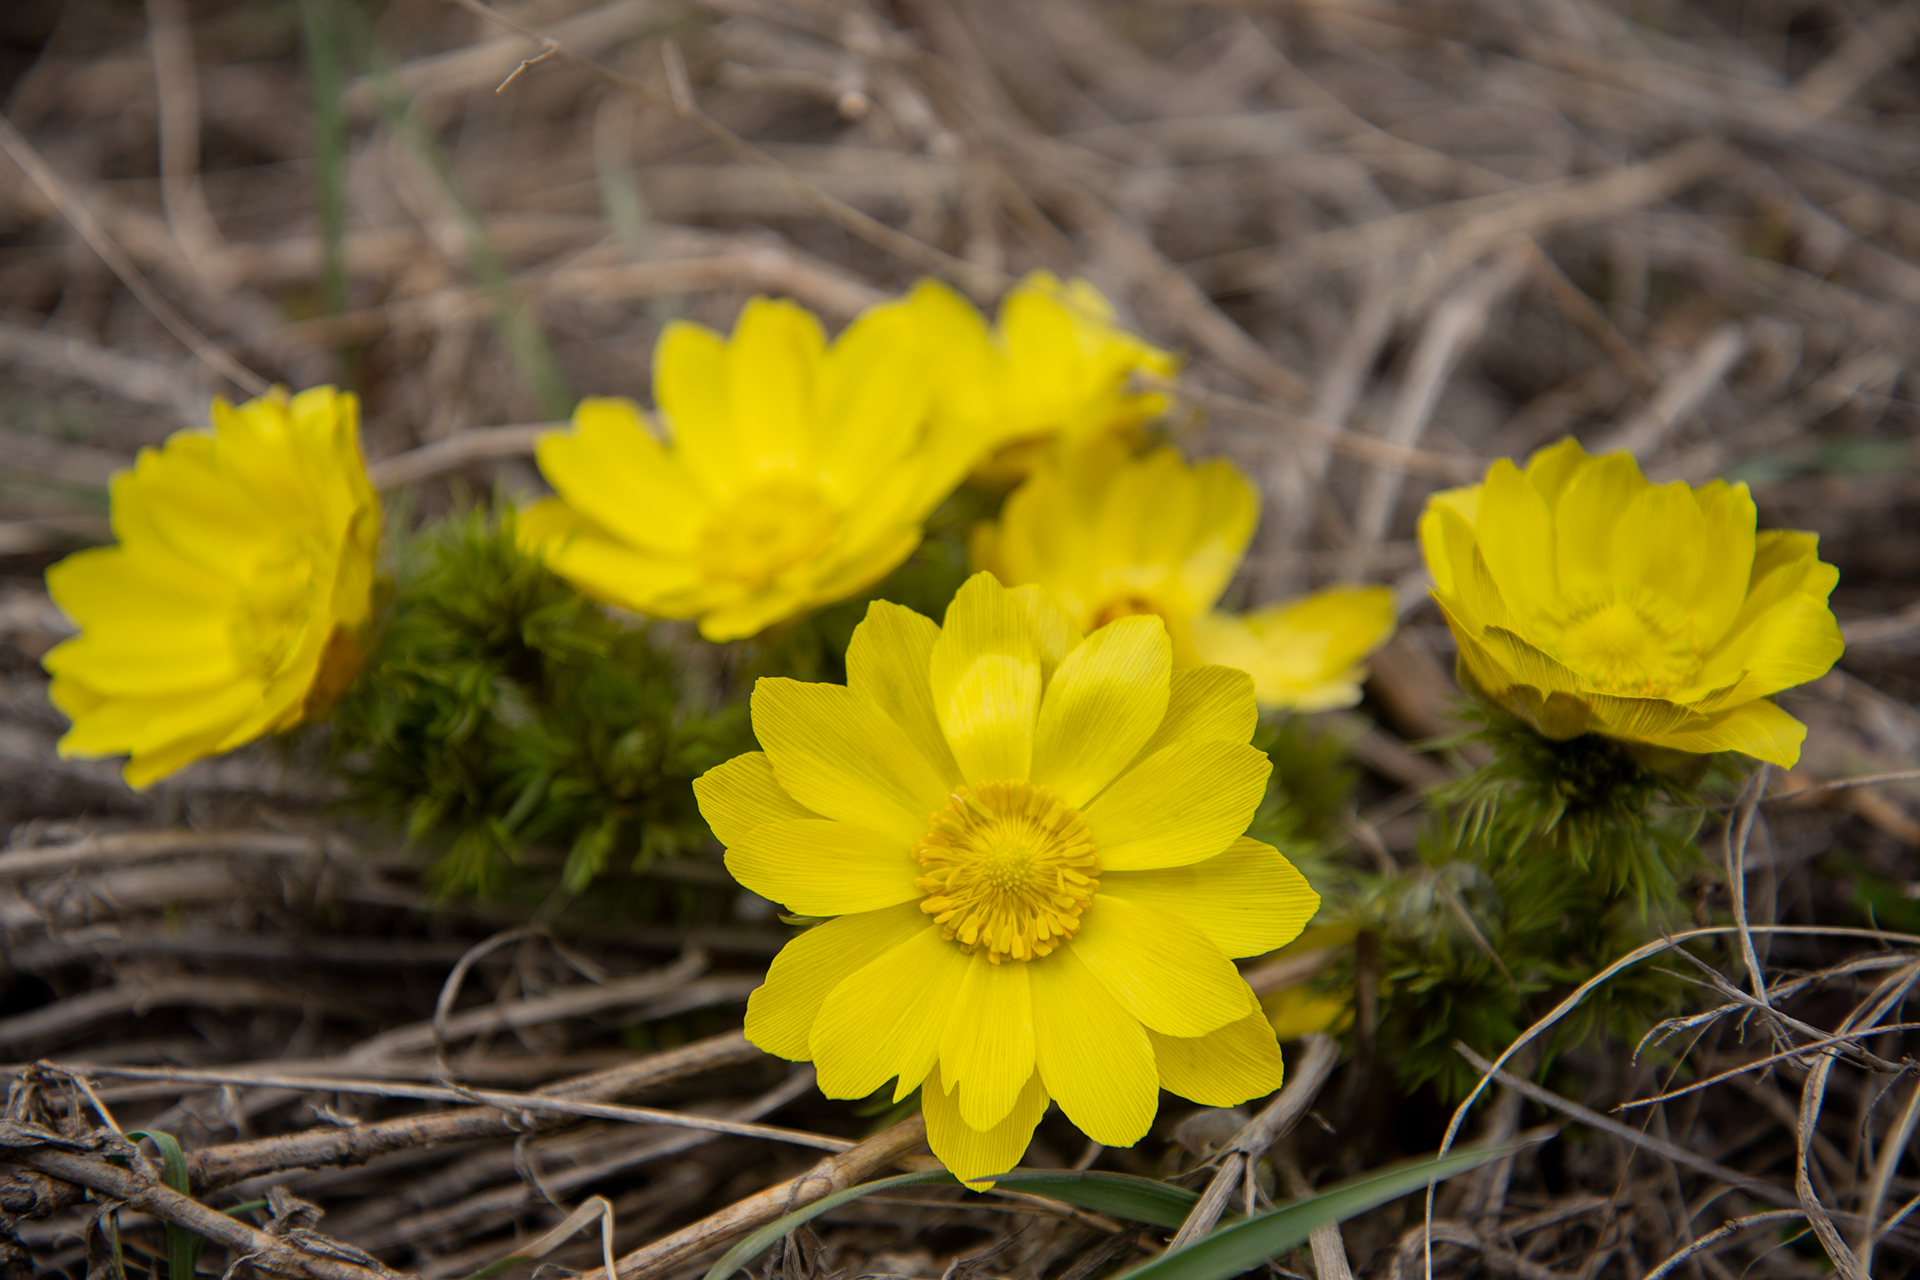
{"x":1055,"y":370}
{"x":1030,"y":845}
{"x":1111,"y":537}
{"x":795,"y":473}
{"x":230,"y":607}
{"x":1586,"y":599}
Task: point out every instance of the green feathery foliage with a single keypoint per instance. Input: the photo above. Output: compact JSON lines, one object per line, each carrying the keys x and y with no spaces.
{"x":501,"y":710}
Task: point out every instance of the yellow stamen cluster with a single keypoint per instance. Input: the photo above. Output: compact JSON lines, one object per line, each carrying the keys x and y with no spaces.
{"x":1009,"y":867}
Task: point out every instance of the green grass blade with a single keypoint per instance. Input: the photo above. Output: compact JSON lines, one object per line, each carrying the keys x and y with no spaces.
{"x":183,"y":1246}
{"x":744,"y":1252}
{"x":326,"y":47}
{"x":1232,"y":1250}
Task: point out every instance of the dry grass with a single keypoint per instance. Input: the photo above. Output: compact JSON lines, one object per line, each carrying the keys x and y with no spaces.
{"x":1394,"y":240}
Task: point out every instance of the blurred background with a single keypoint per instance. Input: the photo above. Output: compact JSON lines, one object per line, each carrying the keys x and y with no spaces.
{"x":1390,"y":240}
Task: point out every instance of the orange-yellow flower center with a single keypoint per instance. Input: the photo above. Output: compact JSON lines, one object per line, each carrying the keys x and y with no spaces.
{"x":1128,"y":605}
{"x":766,"y":531}
{"x":274,"y":608}
{"x":1638,"y":645}
{"x":1010,"y":867}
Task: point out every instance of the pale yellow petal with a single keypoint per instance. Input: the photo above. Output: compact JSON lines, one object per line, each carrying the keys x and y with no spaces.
{"x":841,"y":757}
{"x":1100,"y":708}
{"x":985,"y":676}
{"x":817,"y":867}
{"x":1247,"y":900}
{"x":1161,"y":969}
{"x":976,"y":1156}
{"x":1238,"y":1063}
{"x":1182,"y":804}
{"x":743,"y":794}
{"x":782,"y":1010}
{"x":690,"y":387}
{"x":890,"y":663}
{"x":1054,"y":632}
{"x":1516,"y":537}
{"x":886,"y":1019}
{"x":1212,"y":703}
{"x":874,"y":394}
{"x":1759,"y":729}
{"x":773,"y":368}
{"x":611,"y":469}
{"x":1094,"y":1056}
{"x":987,"y":1050}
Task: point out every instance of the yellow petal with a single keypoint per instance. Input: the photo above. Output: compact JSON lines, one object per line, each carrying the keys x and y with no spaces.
{"x":782,"y":1010}
{"x":1516,"y":537}
{"x":143,"y":658}
{"x":1101,"y":707}
{"x":1094,"y":1056}
{"x":1182,"y":804}
{"x":873,"y":400}
{"x":742,"y":794}
{"x":142,"y":726}
{"x":1237,"y":1063}
{"x":1759,"y":729}
{"x":753,"y":612}
{"x":816,"y":867}
{"x":612,"y":470}
{"x":1309,"y":649}
{"x":972,"y":1155}
{"x":1247,"y":900}
{"x":841,"y":756}
{"x":610,"y":570}
{"x":1549,"y":469}
{"x":889,"y":663}
{"x":1207,"y":703}
{"x":1161,"y":969}
{"x":1054,"y":633}
{"x":773,"y":367}
{"x":885,"y":1020}
{"x":987,"y":1052}
{"x":690,"y":387}
{"x":985,"y":675}
{"x":1593,"y":503}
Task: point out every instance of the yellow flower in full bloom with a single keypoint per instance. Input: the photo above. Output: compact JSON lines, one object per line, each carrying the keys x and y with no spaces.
{"x":1111,"y":537}
{"x":794,"y":472}
{"x":1055,"y":370}
{"x":231,"y":606}
{"x":1586,"y":599}
{"x":1031,"y":848}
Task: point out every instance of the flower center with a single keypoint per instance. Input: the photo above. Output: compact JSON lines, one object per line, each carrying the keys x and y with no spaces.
{"x":1637,"y":647}
{"x":1129,"y":605}
{"x":274,"y":607}
{"x":768,"y":530}
{"x":1009,"y":866}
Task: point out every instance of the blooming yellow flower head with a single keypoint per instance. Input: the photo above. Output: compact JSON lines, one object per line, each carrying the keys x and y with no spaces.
{"x":793,"y":474}
{"x":1110,"y":536}
{"x":1054,"y":371}
{"x":231,"y":606}
{"x":1030,"y":845}
{"x":1586,"y":599}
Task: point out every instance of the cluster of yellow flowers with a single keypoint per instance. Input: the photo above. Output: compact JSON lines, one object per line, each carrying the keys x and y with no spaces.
{"x":1024,"y":824}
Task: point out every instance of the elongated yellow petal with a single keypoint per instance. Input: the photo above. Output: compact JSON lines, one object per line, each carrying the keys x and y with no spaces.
{"x":741,"y":795}
{"x":773,"y":369}
{"x":972,"y":1155}
{"x":817,"y":867}
{"x":889,"y":663}
{"x":1094,"y":1056}
{"x":985,"y":674}
{"x":1246,"y":901}
{"x":1101,"y":707}
{"x":1759,"y":729}
{"x":885,"y":1019}
{"x":986,"y":1052}
{"x":1213,"y":703}
{"x":617,"y":475}
{"x":1184,"y":803}
{"x":1239,"y":1062}
{"x":782,"y":1010}
{"x":841,"y":757}
{"x":873,"y":401}
{"x":1161,"y":969}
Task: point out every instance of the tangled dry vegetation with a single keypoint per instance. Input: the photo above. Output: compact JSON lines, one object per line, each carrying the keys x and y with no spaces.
{"x":1393,"y":240}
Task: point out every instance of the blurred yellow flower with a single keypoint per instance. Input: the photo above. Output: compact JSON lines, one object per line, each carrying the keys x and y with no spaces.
{"x":1030,"y":845}
{"x":231,"y":606}
{"x":794,"y":473}
{"x":1054,"y":370}
{"x":1586,"y":599}
{"x":1111,"y":537}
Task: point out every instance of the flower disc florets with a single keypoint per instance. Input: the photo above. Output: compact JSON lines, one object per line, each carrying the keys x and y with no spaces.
{"x":1010,"y":867}
{"x":1029,"y":845}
